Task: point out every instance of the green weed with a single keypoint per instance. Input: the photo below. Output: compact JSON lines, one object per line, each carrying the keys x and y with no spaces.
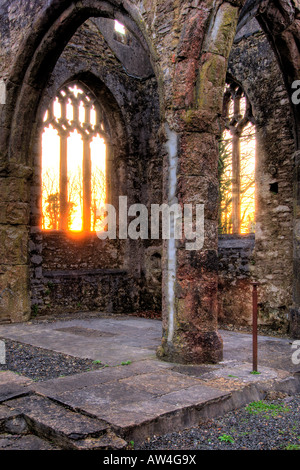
{"x":292,"y":447}
{"x":226,"y":438}
{"x":268,"y":409}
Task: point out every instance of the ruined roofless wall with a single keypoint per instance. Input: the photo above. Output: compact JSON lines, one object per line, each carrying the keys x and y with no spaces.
{"x":253,"y":64}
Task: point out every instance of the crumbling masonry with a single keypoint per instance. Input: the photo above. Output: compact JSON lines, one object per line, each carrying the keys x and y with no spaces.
{"x":161,"y":91}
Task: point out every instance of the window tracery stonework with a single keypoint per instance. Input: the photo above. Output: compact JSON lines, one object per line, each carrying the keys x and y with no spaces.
{"x":75,"y":110}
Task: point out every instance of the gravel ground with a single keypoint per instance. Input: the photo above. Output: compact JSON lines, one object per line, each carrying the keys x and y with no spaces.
{"x":273,"y":424}
{"x":265,"y":425}
{"x":40,"y":364}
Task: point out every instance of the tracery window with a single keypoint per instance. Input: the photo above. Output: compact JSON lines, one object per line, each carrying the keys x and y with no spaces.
{"x":237,"y":163}
{"x":74,"y":145}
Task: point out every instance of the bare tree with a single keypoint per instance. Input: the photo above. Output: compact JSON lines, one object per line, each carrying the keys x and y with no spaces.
{"x":51,"y":200}
{"x":98,"y":186}
{"x":236,"y":164}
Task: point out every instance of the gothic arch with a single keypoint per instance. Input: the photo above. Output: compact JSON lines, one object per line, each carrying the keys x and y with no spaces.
{"x":280,"y":22}
{"x":37,"y":58}
{"x":191,"y":93}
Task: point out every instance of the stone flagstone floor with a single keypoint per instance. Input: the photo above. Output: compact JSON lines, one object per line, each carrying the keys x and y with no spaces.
{"x":132,"y":394}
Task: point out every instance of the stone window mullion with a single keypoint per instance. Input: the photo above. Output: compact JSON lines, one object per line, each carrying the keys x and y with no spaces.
{"x":87,"y":190}
{"x":236,"y":120}
{"x":63,"y":181}
{"x":67,"y":123}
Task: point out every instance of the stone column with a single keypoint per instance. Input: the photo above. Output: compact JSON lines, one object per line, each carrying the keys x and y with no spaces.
{"x":14,"y":220}
{"x":190,"y":277}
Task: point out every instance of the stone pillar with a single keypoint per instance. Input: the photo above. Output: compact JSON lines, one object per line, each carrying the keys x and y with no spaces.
{"x":14,"y":269}
{"x":190,"y":277}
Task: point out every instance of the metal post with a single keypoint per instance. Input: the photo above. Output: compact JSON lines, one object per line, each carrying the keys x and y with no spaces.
{"x":254,"y":326}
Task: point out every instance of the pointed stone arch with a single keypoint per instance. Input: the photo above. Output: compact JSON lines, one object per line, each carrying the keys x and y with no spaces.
{"x":191,"y":105}
{"x":37,"y":56}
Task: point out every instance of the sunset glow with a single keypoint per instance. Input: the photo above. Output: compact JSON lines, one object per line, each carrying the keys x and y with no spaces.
{"x":248,"y":150}
{"x":247,"y":155}
{"x":51,"y":143}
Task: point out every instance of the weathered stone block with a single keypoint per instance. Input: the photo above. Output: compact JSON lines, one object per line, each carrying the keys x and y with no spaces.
{"x":193,"y":33}
{"x":14,"y":213}
{"x":14,"y":190}
{"x":184,"y":83}
{"x":200,"y":120}
{"x":14,"y":293}
{"x":199,"y":190}
{"x":211,"y":80}
{"x":199,"y":154}
{"x":13,"y":244}
{"x":222,"y":32}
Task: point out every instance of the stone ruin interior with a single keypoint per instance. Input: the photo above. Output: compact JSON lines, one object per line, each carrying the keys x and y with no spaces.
{"x":158,"y":84}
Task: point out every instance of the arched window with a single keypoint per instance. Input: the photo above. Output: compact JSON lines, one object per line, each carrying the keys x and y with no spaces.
{"x":73,"y":161}
{"x":237,"y":163}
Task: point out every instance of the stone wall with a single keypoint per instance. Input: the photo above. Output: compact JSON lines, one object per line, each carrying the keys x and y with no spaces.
{"x":84,"y":272}
{"x":253,"y":64}
{"x":235,"y":277}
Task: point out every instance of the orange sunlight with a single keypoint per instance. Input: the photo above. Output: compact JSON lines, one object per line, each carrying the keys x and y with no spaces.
{"x":51,"y":170}
{"x":247,"y":176}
